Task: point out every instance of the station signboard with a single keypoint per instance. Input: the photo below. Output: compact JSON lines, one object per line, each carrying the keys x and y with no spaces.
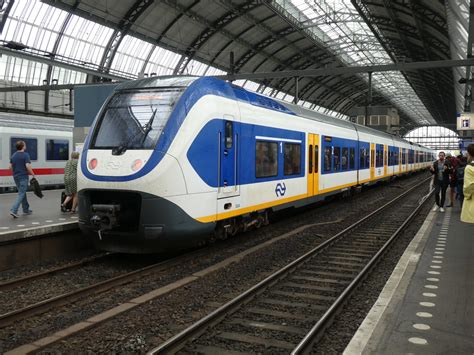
{"x":465,"y":122}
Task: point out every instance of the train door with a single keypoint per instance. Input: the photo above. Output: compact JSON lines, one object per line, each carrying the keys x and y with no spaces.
{"x":385,"y":159}
{"x":313,"y":164}
{"x":372,"y":161}
{"x":228,"y":158}
{"x":407,"y":159}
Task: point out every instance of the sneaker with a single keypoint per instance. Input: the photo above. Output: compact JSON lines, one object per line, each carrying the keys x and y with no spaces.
{"x":450,"y":205}
{"x":441,"y":209}
{"x":14,"y":215}
{"x":435,"y":208}
{"x":28,"y":212}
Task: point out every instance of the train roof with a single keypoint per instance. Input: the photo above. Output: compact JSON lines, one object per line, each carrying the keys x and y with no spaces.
{"x":158,"y":81}
{"x":17,"y":120}
{"x":185,"y":81}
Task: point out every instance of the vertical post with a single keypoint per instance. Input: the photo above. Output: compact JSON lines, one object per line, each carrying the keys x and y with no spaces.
{"x":369,"y":99}
{"x":70,"y":100}
{"x":26,"y":100}
{"x":231,"y":64}
{"x":296,"y":98}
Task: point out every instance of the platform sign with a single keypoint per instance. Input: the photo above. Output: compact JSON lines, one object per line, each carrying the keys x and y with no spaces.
{"x":465,"y":122}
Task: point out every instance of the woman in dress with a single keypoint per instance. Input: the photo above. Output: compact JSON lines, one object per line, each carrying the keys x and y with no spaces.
{"x":70,"y":182}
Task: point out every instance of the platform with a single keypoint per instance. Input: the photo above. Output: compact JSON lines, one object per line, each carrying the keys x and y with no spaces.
{"x":427,"y":305}
{"x":46,"y":217}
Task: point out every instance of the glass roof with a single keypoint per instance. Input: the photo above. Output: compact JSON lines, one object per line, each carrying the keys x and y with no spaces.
{"x":337,"y":25}
{"x":333,"y":23}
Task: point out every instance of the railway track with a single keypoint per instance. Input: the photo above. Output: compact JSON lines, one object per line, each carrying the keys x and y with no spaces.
{"x":6,"y":285}
{"x":289,"y":310}
{"x":69,"y":297}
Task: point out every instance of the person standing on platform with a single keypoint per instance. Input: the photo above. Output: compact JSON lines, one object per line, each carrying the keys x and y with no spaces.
{"x":452,"y":178}
{"x":20,"y":164}
{"x":467,"y":212}
{"x":70,"y":182}
{"x":441,"y":170}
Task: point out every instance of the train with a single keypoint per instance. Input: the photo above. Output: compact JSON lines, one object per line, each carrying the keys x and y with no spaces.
{"x":174,"y":162}
{"x":48,"y":141}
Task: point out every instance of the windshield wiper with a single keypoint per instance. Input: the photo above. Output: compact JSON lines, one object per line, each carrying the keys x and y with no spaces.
{"x":145,"y":129}
{"x":148,"y":127}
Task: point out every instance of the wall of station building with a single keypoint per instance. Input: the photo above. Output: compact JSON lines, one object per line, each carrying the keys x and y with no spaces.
{"x":88,"y":101}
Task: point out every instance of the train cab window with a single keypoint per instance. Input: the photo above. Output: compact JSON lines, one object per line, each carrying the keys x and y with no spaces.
{"x":31,"y":146}
{"x":292,"y":159}
{"x":266,"y":159}
{"x":337,"y":158}
{"x":327,"y":159}
{"x":345,"y":158}
{"x":229,"y":128}
{"x":352,"y":158}
{"x":57,"y":149}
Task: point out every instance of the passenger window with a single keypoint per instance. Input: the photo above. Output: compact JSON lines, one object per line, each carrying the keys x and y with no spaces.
{"x":228,"y":134}
{"x":327,"y":159}
{"x":266,"y":159}
{"x":31,"y":146}
{"x":310,"y":158}
{"x":292,"y":159}
{"x":57,"y":149}
{"x":362,"y":158}
{"x":345,"y":158}
{"x":316,"y":158}
{"x":337,"y":155}
{"x":352,"y":158}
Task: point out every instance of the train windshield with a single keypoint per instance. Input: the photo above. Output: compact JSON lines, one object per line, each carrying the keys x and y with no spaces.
{"x":135,"y":120}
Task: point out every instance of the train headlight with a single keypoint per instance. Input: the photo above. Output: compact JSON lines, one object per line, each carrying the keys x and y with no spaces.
{"x":92,"y":164}
{"x":137,"y":164}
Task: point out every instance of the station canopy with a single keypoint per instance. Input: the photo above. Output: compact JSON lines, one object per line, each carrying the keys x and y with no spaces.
{"x":78,"y":41}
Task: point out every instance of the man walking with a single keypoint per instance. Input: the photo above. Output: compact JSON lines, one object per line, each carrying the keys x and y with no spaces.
{"x":20,"y":165}
{"x":441,"y":170}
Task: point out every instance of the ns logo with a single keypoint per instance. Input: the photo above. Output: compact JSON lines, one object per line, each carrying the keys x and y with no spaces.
{"x":280,"y":189}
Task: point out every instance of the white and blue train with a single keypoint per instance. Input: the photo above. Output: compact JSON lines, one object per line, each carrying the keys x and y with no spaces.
{"x":171,"y":162}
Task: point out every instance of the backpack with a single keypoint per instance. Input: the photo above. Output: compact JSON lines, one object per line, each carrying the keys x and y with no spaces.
{"x":460,"y":172}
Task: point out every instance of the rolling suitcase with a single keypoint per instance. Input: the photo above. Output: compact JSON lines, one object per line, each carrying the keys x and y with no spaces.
{"x":68,"y":206}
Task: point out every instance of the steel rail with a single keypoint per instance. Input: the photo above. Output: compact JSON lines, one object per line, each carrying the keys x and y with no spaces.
{"x":305,"y":346}
{"x":22,"y":280}
{"x":57,"y":301}
{"x":175,"y":343}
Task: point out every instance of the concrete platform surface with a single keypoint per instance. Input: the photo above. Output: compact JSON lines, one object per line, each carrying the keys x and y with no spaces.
{"x":427,"y":306}
{"x":46,"y":217}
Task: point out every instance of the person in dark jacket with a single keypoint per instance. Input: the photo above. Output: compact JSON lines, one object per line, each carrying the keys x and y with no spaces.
{"x":441,"y":169}
{"x":20,"y":164}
